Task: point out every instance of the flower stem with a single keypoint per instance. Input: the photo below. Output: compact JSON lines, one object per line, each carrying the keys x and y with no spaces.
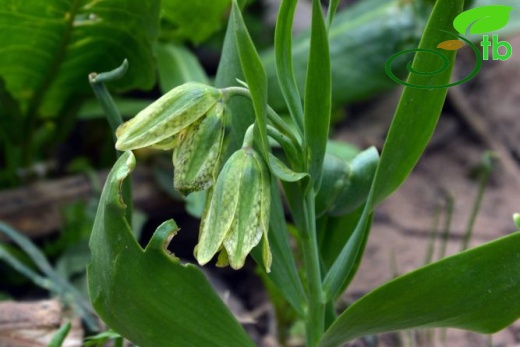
{"x":315,"y":317}
{"x":274,"y":117}
{"x":97,"y":82}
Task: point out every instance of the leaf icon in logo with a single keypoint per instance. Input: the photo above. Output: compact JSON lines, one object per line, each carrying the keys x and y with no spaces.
{"x":482,"y":19}
{"x":451,"y":45}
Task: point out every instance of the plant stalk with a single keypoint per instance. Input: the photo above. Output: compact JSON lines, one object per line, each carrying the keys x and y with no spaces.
{"x":315,"y":315}
{"x":114,"y":118}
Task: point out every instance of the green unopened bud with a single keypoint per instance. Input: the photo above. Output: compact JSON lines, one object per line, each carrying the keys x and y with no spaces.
{"x":238,"y":215}
{"x":160,"y":122}
{"x":335,"y":179}
{"x":196,"y":156}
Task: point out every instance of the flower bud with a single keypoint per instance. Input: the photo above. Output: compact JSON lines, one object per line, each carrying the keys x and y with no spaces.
{"x":196,"y":156}
{"x":166,"y":117}
{"x":238,"y":215}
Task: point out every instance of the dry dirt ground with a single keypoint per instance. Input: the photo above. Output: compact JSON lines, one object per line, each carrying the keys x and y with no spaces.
{"x":480,"y":116}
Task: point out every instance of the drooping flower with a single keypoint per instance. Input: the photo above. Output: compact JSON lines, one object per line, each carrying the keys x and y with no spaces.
{"x":196,"y":156}
{"x":188,"y":119}
{"x":237,"y":217}
{"x":159,"y":123}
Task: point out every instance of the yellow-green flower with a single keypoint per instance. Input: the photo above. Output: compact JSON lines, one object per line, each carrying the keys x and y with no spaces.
{"x":196,"y":156}
{"x":159,"y":123}
{"x":237,"y":216}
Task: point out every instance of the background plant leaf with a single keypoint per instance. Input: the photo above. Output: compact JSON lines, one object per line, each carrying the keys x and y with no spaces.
{"x":177,"y":65}
{"x":173,"y":305}
{"x":194,"y":20}
{"x":49,"y":47}
{"x":474,"y":290}
{"x":361,"y":37}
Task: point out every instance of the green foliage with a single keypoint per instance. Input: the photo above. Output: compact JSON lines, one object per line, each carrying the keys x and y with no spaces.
{"x":472,"y":290}
{"x":177,"y":65}
{"x":331,"y":191}
{"x":361,"y":38}
{"x":193,"y":20}
{"x":317,"y":96}
{"x":102,"y":338}
{"x":50,"y":48}
{"x":45,"y":276}
{"x":59,"y":337}
{"x":155,"y":282}
{"x":54,"y":45}
{"x":412,"y":127}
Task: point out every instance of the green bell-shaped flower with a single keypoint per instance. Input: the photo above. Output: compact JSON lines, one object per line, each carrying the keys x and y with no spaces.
{"x":237,"y":216}
{"x":196,"y":156}
{"x":159,"y":123}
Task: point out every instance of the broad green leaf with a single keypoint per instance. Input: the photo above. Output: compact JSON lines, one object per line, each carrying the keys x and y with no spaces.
{"x":412,"y":127}
{"x":172,"y":304}
{"x":483,"y":19}
{"x":177,"y":65}
{"x":284,"y":65}
{"x":49,"y":47}
{"x":317,"y":105}
{"x":255,"y":77}
{"x":194,"y":20}
{"x":475,"y":290}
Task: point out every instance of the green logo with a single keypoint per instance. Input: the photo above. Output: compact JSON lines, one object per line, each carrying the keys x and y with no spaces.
{"x":479,"y":20}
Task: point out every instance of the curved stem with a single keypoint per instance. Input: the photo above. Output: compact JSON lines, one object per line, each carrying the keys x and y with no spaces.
{"x":274,"y":117}
{"x":97,"y":82}
{"x":287,"y":145}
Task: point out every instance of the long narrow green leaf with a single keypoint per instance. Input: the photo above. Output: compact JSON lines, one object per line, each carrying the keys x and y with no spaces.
{"x":172,"y":304}
{"x":476,"y":290}
{"x":412,"y":127}
{"x":255,"y":77}
{"x":317,"y":95}
{"x":331,"y":11}
{"x":59,"y":337}
{"x":50,"y":279}
{"x":361,"y":37}
{"x":283,"y":273}
{"x":284,"y":65}
{"x":229,"y":70}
